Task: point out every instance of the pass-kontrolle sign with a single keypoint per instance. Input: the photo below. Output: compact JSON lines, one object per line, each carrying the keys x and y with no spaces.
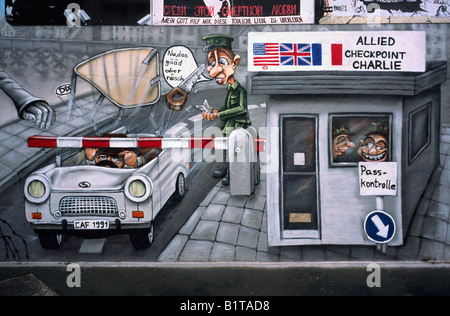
{"x":378,"y":178}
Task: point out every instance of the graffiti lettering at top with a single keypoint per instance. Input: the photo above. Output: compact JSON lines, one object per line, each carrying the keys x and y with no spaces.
{"x":202,"y":11}
{"x":230,"y":11}
{"x":236,"y":11}
{"x":284,"y":9}
{"x":175,"y":10}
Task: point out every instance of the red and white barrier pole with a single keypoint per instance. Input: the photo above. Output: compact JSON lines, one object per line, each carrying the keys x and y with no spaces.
{"x":139,"y":142}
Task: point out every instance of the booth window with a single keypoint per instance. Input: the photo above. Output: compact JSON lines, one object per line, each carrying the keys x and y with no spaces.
{"x":359,"y":137}
{"x":419,"y":131}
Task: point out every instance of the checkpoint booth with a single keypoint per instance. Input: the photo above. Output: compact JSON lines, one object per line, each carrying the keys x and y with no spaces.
{"x":348,"y":144}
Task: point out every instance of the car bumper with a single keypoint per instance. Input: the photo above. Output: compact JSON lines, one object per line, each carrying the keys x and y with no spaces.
{"x":115,"y":227}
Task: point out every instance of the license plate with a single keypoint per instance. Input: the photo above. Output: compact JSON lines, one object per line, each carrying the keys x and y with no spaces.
{"x":91,"y":224}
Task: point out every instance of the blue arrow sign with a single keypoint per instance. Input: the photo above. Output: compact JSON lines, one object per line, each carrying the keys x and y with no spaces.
{"x":379,"y":227}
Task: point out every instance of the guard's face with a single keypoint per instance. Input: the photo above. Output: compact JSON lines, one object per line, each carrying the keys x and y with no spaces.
{"x":341,"y":144}
{"x":373,"y":148}
{"x":222,"y":67}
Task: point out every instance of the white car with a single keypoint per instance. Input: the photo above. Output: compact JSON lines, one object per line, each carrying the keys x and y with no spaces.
{"x":72,"y":196}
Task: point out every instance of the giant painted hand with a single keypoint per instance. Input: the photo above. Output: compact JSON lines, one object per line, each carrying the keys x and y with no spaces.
{"x":28,"y":107}
{"x":40,"y":113}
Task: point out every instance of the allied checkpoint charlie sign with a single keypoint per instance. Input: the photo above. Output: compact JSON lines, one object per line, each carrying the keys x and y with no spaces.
{"x":337,"y":51}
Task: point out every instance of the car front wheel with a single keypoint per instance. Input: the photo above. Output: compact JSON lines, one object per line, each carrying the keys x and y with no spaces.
{"x":180,"y":188}
{"x":143,"y":239}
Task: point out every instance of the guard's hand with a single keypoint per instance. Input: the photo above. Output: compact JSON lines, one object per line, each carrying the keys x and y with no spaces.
{"x":40,"y":113}
{"x":210,"y":116}
{"x":130,"y":158}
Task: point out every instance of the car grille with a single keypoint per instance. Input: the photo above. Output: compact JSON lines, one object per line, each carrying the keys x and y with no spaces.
{"x":82,"y":206}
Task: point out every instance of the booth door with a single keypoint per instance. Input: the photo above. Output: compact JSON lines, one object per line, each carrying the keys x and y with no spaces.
{"x":299,"y":177}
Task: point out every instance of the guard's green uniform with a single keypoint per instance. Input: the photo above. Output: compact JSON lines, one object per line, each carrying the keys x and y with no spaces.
{"x":234,"y":113}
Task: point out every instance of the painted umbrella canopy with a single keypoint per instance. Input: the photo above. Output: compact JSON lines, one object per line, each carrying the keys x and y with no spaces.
{"x":128,"y":77}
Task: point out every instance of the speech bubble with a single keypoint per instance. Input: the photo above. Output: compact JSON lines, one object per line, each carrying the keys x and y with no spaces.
{"x":178,"y":64}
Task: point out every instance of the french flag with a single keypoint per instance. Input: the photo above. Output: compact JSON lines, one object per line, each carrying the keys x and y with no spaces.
{"x":336,"y":54}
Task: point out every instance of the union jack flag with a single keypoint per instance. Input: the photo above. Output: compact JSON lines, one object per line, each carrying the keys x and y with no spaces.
{"x":300,"y":54}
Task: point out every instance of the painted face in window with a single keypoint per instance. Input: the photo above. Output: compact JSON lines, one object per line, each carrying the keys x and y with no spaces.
{"x":373,"y":148}
{"x":222,"y":66}
{"x":341,"y":144}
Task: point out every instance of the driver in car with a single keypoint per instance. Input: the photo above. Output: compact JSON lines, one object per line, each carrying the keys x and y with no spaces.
{"x":117,"y":158}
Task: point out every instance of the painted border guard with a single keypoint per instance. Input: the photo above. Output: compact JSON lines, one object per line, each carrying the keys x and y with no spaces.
{"x":221,"y":64}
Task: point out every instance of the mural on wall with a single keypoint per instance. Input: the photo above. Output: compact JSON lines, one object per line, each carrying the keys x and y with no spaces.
{"x":377,"y":9}
{"x":77,"y":13}
{"x":225,"y":149}
{"x":161,"y":12}
{"x":232,"y":12}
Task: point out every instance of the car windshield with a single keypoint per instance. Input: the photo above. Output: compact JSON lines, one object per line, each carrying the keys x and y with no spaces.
{"x":123,"y":158}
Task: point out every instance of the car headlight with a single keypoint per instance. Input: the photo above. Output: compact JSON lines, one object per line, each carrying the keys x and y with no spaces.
{"x":37,"y":189}
{"x":138,"y":188}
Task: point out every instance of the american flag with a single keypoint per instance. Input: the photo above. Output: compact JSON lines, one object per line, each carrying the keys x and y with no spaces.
{"x":287,"y":54}
{"x":266,"y":54}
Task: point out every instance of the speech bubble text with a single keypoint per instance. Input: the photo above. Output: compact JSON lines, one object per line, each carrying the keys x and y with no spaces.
{"x":178,"y":64}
